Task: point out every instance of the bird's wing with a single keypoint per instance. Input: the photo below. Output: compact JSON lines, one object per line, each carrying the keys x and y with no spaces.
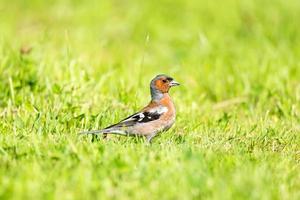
{"x":143,"y":116}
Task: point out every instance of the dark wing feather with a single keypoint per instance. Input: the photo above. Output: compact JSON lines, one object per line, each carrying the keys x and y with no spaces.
{"x":140,"y":117}
{"x":149,"y":116}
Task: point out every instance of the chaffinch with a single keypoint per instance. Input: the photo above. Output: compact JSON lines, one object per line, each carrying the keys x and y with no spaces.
{"x":159,"y":115}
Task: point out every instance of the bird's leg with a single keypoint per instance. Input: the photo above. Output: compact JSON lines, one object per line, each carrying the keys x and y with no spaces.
{"x":149,"y":138}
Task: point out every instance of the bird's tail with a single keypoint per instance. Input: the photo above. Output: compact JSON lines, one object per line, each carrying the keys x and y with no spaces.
{"x":95,"y":132}
{"x":104,"y":131}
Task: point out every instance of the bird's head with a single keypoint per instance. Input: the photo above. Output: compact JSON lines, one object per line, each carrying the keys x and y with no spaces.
{"x":161,"y":84}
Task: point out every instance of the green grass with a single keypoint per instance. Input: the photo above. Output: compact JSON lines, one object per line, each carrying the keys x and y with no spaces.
{"x":237,"y":134}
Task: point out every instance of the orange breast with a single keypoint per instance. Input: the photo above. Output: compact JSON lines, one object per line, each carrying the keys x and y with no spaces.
{"x":167,"y":101}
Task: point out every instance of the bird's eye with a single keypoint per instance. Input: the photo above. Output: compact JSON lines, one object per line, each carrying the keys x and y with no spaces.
{"x":164,"y":80}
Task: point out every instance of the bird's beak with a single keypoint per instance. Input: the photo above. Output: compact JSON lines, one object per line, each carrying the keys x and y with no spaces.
{"x":174,"y":83}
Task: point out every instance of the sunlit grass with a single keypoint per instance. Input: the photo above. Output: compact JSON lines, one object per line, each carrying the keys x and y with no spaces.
{"x":71,"y":66}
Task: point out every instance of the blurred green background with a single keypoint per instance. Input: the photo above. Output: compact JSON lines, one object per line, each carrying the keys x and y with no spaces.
{"x":67,"y":66}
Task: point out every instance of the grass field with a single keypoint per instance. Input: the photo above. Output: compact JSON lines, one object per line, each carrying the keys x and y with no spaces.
{"x":68,"y":66}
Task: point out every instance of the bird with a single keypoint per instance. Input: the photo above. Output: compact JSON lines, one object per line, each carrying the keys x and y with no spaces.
{"x":158,"y":116}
